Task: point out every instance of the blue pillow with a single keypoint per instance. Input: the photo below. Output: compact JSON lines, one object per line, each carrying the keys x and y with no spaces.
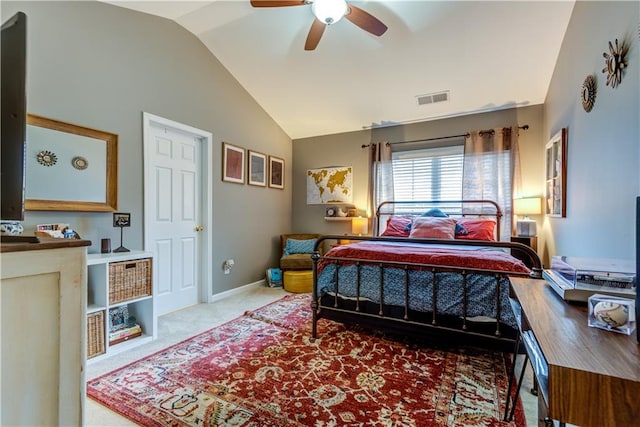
{"x":295,"y":246}
{"x":437,"y":213}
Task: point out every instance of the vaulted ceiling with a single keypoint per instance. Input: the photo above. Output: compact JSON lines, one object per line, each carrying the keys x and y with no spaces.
{"x":488,"y":55}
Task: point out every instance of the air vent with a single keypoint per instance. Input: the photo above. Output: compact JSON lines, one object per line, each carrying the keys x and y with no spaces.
{"x":432,"y":98}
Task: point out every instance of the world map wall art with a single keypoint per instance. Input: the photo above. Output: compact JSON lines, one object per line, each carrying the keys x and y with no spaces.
{"x":330,"y":185}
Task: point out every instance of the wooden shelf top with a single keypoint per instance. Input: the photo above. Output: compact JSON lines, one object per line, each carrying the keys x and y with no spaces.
{"x":45,"y":243}
{"x":565,"y":338}
{"x":594,"y":374}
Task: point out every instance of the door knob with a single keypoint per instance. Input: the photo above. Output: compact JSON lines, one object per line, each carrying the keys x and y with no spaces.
{"x":199,"y":227}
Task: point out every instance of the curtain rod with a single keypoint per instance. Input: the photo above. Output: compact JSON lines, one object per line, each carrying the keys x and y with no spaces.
{"x":465,"y":135}
{"x":492,"y":131}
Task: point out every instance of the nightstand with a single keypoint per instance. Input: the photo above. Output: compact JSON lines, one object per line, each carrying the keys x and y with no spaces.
{"x":341,"y":242}
{"x":532,"y":242}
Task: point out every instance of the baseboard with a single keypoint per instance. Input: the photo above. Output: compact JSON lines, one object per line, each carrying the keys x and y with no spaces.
{"x":234,"y":291}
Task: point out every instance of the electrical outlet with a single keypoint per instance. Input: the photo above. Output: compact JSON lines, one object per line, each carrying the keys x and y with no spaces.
{"x":226,"y":265}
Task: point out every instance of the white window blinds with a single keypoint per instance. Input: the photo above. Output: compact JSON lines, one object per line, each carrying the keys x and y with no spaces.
{"x":428,"y":173}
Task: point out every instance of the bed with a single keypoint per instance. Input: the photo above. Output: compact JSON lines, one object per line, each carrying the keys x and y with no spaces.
{"x":444,"y":275}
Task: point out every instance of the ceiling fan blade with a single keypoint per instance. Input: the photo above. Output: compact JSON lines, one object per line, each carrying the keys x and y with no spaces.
{"x":365,"y":20}
{"x":315,"y":33}
{"x":276,"y":3}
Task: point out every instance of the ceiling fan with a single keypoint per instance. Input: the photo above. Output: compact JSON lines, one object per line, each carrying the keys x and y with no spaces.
{"x":328,"y":12}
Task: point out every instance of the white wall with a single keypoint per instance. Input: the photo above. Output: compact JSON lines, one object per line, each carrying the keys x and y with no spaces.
{"x":101,"y":66}
{"x":603,"y":147}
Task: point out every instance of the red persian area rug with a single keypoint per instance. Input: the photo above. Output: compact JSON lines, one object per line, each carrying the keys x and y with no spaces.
{"x":264,"y":369}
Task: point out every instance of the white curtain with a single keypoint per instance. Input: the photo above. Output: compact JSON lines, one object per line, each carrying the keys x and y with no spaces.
{"x":491,"y":166}
{"x":381,"y":178}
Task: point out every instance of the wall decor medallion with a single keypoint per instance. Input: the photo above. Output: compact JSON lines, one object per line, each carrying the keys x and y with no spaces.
{"x":615,"y":62}
{"x":80,"y":163}
{"x":47,"y":158}
{"x":588,"y":93}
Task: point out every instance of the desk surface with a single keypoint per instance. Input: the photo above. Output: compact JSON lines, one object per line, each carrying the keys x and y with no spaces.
{"x":594,"y":375}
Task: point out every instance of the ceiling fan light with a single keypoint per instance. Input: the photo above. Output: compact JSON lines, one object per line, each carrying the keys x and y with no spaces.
{"x":329,"y":11}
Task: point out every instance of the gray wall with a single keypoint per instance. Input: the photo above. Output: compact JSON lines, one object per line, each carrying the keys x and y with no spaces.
{"x":101,"y":66}
{"x":603,"y":157}
{"x":345,"y":150}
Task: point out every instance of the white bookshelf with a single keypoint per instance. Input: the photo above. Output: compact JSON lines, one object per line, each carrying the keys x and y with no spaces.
{"x":142,"y":308}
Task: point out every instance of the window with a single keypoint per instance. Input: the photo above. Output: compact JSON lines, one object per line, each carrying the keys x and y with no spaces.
{"x":481,"y":166}
{"x":428,"y":173}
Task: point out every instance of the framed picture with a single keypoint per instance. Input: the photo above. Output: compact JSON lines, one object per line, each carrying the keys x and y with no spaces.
{"x":257,"y":169}
{"x":118,"y":317}
{"x":121,"y":219}
{"x":556,"y":175}
{"x":232,"y":163}
{"x":276,"y":172}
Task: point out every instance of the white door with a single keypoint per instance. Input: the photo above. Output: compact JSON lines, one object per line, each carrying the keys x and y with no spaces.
{"x":176,"y":212}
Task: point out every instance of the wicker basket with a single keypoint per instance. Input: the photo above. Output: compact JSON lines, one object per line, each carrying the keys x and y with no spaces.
{"x":95,"y":334}
{"x":129,"y":280}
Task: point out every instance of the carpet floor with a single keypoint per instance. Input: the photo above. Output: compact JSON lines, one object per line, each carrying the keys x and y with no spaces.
{"x":262,"y":369}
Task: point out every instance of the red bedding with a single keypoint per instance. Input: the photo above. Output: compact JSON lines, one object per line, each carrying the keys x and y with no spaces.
{"x":474,"y":257}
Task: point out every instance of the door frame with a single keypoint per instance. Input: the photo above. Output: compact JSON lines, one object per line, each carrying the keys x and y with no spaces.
{"x":205,"y":285}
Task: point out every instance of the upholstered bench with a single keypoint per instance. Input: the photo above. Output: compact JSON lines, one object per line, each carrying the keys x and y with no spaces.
{"x":299,"y":281}
{"x":296,"y":251}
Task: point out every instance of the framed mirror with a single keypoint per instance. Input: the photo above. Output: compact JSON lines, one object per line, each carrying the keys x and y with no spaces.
{"x":70,"y":167}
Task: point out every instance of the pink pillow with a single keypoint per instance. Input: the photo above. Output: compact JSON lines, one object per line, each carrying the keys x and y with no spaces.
{"x":477,"y":229}
{"x":433,"y":227}
{"x":396,"y":226}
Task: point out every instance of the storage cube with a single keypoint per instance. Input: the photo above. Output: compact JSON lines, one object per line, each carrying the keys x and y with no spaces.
{"x":129,"y":280}
{"x":95,"y":334}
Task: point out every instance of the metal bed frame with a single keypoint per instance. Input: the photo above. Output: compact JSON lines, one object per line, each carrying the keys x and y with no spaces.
{"x":402,"y":319}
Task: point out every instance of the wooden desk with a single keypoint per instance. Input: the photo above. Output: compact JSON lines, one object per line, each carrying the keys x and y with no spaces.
{"x":593,"y":375}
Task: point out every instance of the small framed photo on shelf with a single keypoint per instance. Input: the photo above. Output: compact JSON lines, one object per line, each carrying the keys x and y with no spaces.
{"x":257,"y":169}
{"x":276,"y":172}
{"x":118,"y":317}
{"x":121,"y":219}
{"x":232,"y":163}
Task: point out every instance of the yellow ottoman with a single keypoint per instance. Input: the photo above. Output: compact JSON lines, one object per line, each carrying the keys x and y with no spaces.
{"x":298,"y":281}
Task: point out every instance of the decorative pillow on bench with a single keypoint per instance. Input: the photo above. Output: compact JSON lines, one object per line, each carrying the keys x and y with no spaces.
{"x":295,"y":246}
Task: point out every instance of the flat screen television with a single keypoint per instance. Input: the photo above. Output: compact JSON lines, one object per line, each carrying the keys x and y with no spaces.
{"x":13,"y":124}
{"x":637,"y":267}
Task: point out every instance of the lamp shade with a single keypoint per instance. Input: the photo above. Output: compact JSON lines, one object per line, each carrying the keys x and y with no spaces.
{"x":359,"y":225}
{"x":528,"y":206}
{"x":329,"y":11}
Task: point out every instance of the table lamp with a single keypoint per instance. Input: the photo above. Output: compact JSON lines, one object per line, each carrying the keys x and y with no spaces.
{"x":527,"y":227}
{"x":359,"y":225}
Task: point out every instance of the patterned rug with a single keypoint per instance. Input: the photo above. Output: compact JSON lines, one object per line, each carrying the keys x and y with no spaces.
{"x":263,"y":369}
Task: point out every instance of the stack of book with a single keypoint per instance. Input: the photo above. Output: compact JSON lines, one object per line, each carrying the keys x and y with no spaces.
{"x":124,"y":334}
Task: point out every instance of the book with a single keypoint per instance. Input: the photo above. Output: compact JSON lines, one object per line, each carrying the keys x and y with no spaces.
{"x":120,"y":335}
